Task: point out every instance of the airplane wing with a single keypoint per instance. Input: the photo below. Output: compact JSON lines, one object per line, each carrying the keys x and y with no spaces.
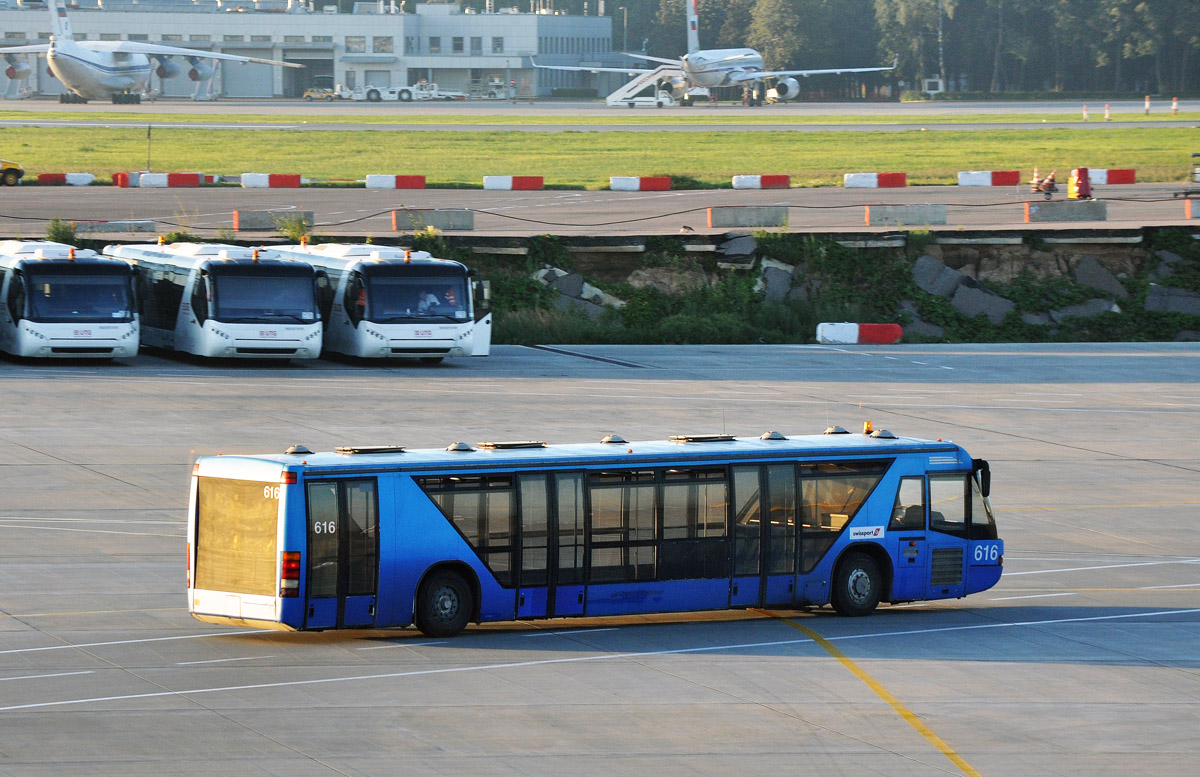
{"x":152,"y":49}
{"x":676,"y":62}
{"x":626,"y":70}
{"x":750,"y":75}
{"x":34,"y":48}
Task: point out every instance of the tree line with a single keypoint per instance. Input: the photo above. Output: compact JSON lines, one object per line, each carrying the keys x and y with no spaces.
{"x":1106,"y":46}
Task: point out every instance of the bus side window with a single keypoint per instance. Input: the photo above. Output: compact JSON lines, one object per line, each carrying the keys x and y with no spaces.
{"x":948,"y":504}
{"x":200,"y":298}
{"x":324,"y":292}
{"x":908,"y":511}
{"x":16,"y":297}
{"x":983,"y":527}
{"x":356,"y":299}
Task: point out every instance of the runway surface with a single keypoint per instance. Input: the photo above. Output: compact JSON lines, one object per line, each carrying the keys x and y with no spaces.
{"x":356,"y":212}
{"x":1085,"y":659}
{"x":502,"y":115}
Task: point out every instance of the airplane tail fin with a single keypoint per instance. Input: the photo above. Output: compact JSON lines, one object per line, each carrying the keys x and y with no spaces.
{"x":60,"y":24}
{"x":693,"y":25}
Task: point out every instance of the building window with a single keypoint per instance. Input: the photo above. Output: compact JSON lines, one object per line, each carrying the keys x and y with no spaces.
{"x":14,"y":35}
{"x":322,"y":39}
{"x":199,"y":38}
{"x":233,"y":38}
{"x":435,"y":45}
{"x":497,"y":45}
{"x":356,"y":44}
{"x":410,"y":45}
{"x":261,"y":38}
{"x":110,"y":36}
{"x":294,"y":38}
{"x":476,"y":46}
{"x":456,"y":45}
{"x":382,"y":44}
{"x":43,"y":36}
{"x":138,"y":36}
{"x":174,"y":37}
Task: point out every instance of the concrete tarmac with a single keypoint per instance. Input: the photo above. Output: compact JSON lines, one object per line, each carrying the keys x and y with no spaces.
{"x":1084,"y":659}
{"x":356,"y":212}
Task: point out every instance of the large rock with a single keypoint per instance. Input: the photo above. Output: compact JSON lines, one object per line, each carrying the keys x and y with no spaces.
{"x":933,"y":277}
{"x":570,"y":284}
{"x":1164,"y":299}
{"x":918,"y":327}
{"x":1166,"y":264}
{"x":667,"y":280}
{"x":973,"y":301}
{"x":1093,"y":307}
{"x":589,"y":309}
{"x":775,"y":281}
{"x":1089,"y":272}
{"x":740,"y":246}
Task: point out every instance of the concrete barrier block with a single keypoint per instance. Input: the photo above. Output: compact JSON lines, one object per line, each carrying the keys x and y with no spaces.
{"x":255,"y":180}
{"x":748,"y":216}
{"x":415,"y":219}
{"x":905,"y":215}
{"x":860,"y":180}
{"x":256,"y":220}
{"x":80,"y":179}
{"x":1066,"y":210}
{"x":150,"y":180}
{"x":622,"y":183}
{"x":114,"y":226}
{"x":1191,"y":209}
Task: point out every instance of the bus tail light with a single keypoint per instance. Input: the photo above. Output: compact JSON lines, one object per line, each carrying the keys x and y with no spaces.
{"x":287,"y":478}
{"x":289,"y":575}
{"x":189,"y":565}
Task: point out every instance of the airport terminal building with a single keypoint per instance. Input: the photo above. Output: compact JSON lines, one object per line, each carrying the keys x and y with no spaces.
{"x":379,"y":44}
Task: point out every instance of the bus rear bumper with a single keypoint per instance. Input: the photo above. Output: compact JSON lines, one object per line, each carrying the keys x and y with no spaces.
{"x":225,"y":620}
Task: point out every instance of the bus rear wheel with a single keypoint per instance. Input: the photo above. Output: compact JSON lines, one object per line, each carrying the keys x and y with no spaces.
{"x":444,"y":605}
{"x":858,"y":586}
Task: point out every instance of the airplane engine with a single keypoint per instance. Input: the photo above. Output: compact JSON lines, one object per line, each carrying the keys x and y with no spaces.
{"x":18,"y":70}
{"x":167,"y":68}
{"x":786,"y":89}
{"x":201,"y":71}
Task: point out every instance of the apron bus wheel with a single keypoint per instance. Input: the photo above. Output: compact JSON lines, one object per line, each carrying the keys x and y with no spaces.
{"x":444,"y":605}
{"x":858,"y":585}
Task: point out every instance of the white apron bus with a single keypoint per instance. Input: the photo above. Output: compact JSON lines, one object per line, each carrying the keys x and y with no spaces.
{"x":65,"y":302}
{"x":396,"y":303}
{"x":217,"y":300}
{"x":379,"y":537}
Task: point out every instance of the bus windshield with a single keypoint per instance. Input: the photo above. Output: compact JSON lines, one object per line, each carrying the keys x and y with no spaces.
{"x":91,"y":296}
{"x":404,"y":298}
{"x":264,"y":297}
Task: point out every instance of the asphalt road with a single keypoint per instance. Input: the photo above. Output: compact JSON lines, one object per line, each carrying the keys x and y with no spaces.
{"x":357,"y":212}
{"x":1085,"y":659}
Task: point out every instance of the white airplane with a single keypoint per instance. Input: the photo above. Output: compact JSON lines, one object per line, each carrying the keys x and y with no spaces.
{"x":119,"y":69}
{"x":709,"y":68}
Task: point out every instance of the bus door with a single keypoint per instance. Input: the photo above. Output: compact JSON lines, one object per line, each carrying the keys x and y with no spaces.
{"x":907,"y":526}
{"x":948,"y":500}
{"x":343,"y":552}
{"x":552,"y":552}
{"x":764,"y":536}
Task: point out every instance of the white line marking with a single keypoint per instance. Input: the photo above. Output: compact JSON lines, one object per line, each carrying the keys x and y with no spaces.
{"x":402,"y":644}
{"x":135,"y":641}
{"x":566,"y":633}
{"x":84,"y":520}
{"x":1105,"y":566}
{"x":87,"y":531}
{"x":220,"y":660}
{"x":576,"y":660}
{"x":40,"y":676}
{"x":1031,"y":596}
{"x":1157,"y":587}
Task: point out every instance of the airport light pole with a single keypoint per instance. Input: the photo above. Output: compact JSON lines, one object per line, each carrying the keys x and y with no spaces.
{"x":624,"y":28}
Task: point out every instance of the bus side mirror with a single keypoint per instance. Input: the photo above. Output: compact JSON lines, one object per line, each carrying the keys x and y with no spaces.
{"x":985,"y":475}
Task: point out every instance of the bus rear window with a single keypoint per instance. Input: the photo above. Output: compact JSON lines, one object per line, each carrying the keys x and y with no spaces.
{"x":237,"y":523}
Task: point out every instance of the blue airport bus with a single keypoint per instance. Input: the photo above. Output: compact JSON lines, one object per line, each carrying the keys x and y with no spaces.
{"x":383,"y":537}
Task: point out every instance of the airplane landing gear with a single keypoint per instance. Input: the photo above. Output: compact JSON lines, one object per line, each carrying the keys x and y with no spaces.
{"x":127,"y":98}
{"x":70,"y":98}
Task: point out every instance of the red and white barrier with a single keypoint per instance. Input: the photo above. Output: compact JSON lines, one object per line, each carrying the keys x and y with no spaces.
{"x":1105,"y":177}
{"x":65,"y":179}
{"x":762,"y":181}
{"x":512,"y":182}
{"x":639,"y":183}
{"x":874,"y":180}
{"x":395,"y":182}
{"x":270,"y":181}
{"x":989,"y":178}
{"x":170,"y":180}
{"x":859,"y":334}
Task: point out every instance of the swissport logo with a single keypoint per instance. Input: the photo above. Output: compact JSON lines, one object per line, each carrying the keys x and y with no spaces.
{"x":866,"y":533}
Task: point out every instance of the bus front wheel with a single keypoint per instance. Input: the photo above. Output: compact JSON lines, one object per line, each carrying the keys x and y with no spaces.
{"x":858,"y":585}
{"x":444,"y":605}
